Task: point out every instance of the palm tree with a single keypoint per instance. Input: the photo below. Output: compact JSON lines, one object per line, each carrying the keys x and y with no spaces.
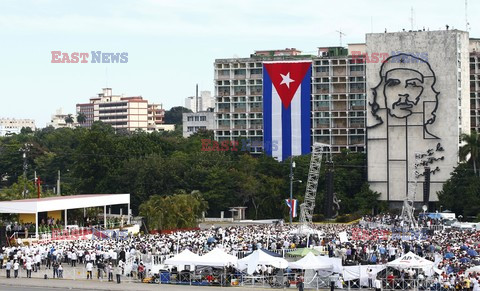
{"x":81,"y":118}
{"x":471,"y":147}
{"x":69,"y":119}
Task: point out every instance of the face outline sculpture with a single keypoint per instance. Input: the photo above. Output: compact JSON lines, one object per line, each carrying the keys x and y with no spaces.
{"x":406,"y":87}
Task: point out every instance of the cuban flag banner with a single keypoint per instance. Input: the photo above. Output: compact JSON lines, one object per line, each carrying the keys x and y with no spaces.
{"x":293,"y":210}
{"x":286,"y":108}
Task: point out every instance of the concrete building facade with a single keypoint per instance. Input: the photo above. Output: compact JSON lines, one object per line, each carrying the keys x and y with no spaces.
{"x":338,"y":98}
{"x":204,"y":101}
{"x":193,"y":122}
{"x":9,"y":126}
{"x":418,"y":107}
{"x":127,"y":113}
{"x":59,"y":119}
{"x":475,"y":84}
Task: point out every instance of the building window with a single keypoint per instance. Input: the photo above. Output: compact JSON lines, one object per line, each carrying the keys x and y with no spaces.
{"x":203,"y":118}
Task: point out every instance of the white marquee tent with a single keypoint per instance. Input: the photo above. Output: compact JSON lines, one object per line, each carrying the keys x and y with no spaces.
{"x":216,"y":258}
{"x":310,"y":262}
{"x":259,"y":257}
{"x":186,"y":257}
{"x":411,"y":260}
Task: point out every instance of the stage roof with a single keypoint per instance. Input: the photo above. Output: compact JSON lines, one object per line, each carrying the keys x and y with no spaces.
{"x":62,"y":202}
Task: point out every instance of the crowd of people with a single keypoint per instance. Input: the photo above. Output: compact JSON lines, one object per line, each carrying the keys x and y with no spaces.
{"x":453,"y":251}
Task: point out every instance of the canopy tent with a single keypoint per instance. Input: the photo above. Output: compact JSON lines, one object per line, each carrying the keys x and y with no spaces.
{"x":335,"y":262}
{"x":475,"y":269}
{"x":36,"y":205}
{"x":259,"y":257}
{"x":303,"y":252}
{"x":410,"y":260}
{"x":186,"y":257}
{"x":310,"y":262}
{"x":216,"y":258}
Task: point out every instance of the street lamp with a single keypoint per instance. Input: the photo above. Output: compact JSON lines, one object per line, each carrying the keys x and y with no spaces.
{"x":292,"y":165}
{"x":441,"y":206}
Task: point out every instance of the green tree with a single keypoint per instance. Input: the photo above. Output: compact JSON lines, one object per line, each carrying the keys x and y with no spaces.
{"x":366,"y":200}
{"x":176,"y":211}
{"x":69,"y":119}
{"x":471,"y":148}
{"x":81,"y":118}
{"x":174,"y":115}
{"x":461,"y":193}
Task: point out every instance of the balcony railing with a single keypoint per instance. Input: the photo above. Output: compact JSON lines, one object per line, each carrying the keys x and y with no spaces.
{"x":224,"y":93}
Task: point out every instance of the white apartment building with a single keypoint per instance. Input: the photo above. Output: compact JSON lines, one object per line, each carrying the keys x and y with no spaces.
{"x":193,"y":122}
{"x":9,"y":126}
{"x":128,"y":113}
{"x":60,"y":119}
{"x":205,"y":101}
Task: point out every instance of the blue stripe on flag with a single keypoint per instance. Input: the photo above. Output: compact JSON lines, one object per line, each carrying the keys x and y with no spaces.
{"x":286,"y":132}
{"x":305,"y":119}
{"x":267,"y":113}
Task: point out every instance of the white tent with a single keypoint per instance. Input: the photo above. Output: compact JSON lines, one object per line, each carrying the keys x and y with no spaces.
{"x":411,"y":260}
{"x":216,"y":258}
{"x":186,"y":257}
{"x":475,"y":269}
{"x":259,"y":257}
{"x":310,"y":262}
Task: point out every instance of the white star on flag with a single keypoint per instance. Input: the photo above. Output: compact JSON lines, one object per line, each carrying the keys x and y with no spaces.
{"x":286,"y":79}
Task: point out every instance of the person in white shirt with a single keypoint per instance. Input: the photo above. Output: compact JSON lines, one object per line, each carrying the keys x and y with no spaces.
{"x":8,"y":267}
{"x":378,"y":284}
{"x":370,"y":278}
{"x":15,"y":269}
{"x":89,"y":268}
{"x":73,"y":257}
{"x":28,"y":266}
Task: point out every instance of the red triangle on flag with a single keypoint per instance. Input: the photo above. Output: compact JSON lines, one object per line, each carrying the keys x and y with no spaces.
{"x":287,"y":77}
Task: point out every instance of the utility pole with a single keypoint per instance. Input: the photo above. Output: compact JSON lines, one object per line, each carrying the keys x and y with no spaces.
{"x":24,"y":150}
{"x":58,"y":184}
{"x":292,"y":165}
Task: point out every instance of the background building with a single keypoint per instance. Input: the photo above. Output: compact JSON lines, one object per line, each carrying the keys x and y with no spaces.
{"x":205,"y":101}
{"x":338,"y":97}
{"x":10,"y":126}
{"x":192,"y":122}
{"x":60,"y":119}
{"x":474,"y":50}
{"x":129,"y":113}
{"x":418,"y":112}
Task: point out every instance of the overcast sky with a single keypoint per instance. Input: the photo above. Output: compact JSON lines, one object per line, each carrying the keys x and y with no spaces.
{"x":172,"y":44}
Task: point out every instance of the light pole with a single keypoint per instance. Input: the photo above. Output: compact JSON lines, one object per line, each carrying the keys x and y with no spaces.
{"x":24,"y":150}
{"x":292,"y":165}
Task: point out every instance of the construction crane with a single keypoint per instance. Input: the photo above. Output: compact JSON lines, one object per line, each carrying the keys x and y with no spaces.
{"x":308,"y":205}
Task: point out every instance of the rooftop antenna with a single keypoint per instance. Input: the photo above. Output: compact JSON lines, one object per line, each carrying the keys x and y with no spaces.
{"x":340,"y":34}
{"x":467,"y":25}
{"x":412,"y":18}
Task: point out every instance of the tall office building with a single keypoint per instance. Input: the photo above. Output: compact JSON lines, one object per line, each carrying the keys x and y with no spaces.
{"x":474,"y":50}
{"x":128,"y":113}
{"x":337,"y":99}
{"x":204,"y":101}
{"x":418,"y":107}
